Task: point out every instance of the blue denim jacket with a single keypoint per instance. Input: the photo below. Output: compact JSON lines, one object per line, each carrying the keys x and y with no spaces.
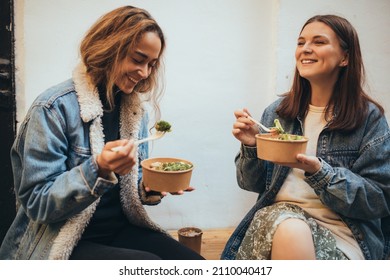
{"x":55,"y":172}
{"x":354,"y":180}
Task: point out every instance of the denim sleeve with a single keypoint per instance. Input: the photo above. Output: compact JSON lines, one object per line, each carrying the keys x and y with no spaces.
{"x":46,"y":187}
{"x":249,"y":170}
{"x":363,"y":191}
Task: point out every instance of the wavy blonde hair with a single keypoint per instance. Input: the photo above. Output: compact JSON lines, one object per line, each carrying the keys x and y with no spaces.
{"x":107,"y":43}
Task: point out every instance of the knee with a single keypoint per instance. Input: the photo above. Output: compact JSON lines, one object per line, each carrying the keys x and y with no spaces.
{"x":293,"y":229}
{"x":293,"y":240}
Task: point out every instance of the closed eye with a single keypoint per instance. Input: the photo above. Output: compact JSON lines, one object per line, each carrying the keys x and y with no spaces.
{"x":136,"y":61}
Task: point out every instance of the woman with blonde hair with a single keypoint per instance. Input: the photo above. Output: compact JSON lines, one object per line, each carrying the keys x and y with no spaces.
{"x":77,"y":198}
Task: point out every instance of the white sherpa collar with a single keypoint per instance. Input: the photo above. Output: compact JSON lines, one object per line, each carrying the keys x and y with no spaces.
{"x":87,"y":94}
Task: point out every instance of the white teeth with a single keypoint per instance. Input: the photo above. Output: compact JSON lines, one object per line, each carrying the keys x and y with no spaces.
{"x":307,"y":61}
{"x":131,"y":79}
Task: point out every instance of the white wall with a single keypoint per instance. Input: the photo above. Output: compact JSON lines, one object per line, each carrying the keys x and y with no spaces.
{"x":221,"y":55}
{"x":371,"y":20}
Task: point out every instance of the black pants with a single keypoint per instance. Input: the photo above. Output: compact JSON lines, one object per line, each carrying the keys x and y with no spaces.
{"x":133,"y":243}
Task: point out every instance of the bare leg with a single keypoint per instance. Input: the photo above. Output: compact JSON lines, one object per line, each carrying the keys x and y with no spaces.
{"x":293,"y":241}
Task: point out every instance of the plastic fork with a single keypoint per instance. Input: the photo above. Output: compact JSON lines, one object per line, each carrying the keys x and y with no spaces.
{"x":263,"y":127}
{"x":153,"y":137}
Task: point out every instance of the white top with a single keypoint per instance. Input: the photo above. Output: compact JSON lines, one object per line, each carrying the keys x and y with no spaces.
{"x":296,"y":191}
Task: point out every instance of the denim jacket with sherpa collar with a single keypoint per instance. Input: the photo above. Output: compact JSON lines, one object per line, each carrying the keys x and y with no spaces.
{"x":354,"y":180}
{"x":55,"y":171}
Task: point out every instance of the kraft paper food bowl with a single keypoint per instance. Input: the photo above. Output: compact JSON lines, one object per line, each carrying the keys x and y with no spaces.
{"x":165,"y":181}
{"x":279,"y":151}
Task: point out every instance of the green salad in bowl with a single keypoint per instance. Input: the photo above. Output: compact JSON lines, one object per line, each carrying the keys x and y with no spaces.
{"x":280,"y":147}
{"x":282,"y":135}
{"x":166,"y":174}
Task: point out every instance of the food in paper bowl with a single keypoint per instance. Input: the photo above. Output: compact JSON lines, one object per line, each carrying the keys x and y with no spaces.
{"x":166,"y":174}
{"x":280,"y":147}
{"x":272,"y":148}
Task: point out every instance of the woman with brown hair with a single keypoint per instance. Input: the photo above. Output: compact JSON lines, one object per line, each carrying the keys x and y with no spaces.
{"x":77,"y":198}
{"x":335,"y":202}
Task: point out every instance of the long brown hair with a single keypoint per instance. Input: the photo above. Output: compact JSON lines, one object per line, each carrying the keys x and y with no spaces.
{"x":107,"y":43}
{"x":349,"y":99}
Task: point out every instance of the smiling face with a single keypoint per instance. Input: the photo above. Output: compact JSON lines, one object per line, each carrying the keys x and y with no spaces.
{"x":318,"y":55}
{"x":139,"y":62}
